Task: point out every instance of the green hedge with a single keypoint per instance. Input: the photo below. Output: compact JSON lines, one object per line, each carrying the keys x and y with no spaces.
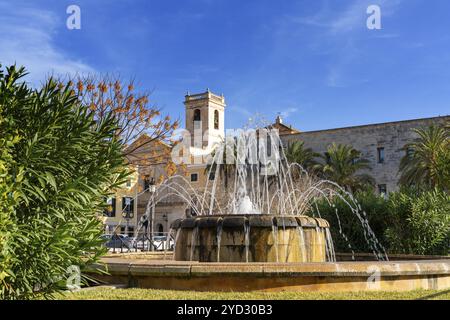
{"x":409,"y":221}
{"x":419,"y":222}
{"x":346,"y":229}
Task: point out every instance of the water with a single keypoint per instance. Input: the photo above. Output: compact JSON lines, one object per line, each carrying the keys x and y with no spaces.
{"x":219,"y":238}
{"x":247,"y":240}
{"x":330,"y":246}
{"x":245,"y":206}
{"x":274,"y":187}
{"x":275,"y":240}
{"x":176,"y":241}
{"x":301,"y":237}
{"x":193,"y":242}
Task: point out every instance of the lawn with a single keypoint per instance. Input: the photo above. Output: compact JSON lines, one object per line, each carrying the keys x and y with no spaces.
{"x":150,"y":294}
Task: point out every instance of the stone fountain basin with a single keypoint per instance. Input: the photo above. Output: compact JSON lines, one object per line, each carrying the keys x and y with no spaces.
{"x":150,"y":271}
{"x":252,"y":238}
{"x":329,"y":276}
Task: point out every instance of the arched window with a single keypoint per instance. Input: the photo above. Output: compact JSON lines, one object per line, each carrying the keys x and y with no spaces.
{"x":160,"y":229}
{"x":197,"y":116}
{"x":216,"y":119}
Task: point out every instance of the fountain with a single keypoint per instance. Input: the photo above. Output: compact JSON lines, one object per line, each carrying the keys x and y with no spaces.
{"x":264,"y":232}
{"x":262,"y":218}
{"x":252,"y":238}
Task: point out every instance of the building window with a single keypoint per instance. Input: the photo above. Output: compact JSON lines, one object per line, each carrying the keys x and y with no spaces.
{"x":197,"y":116}
{"x":216,"y":119}
{"x":129,"y":183}
{"x":194,"y":177}
{"x":147,"y":183}
{"x":212,"y":175}
{"x":127,"y":207}
{"x":382,"y":190}
{"x":160,"y":229}
{"x":110,"y":210}
{"x":380,"y":152}
{"x":269,"y":147}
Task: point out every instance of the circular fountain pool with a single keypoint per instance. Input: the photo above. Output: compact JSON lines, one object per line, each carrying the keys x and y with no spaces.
{"x":253,"y":238}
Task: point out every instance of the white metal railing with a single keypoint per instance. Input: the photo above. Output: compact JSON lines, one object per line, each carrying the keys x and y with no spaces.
{"x":159,"y":241}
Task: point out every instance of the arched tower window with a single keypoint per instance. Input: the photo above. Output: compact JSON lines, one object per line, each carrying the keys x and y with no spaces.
{"x":197,"y":116}
{"x":216,"y":119}
{"x":160,"y":229}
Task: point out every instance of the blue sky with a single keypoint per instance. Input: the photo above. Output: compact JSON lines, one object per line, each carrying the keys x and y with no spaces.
{"x":314,"y":61}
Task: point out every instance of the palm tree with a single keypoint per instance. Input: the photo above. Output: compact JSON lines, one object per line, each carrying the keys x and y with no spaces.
{"x":226,"y":169}
{"x":297,"y":153}
{"x":342,"y":162}
{"x":426,"y":162}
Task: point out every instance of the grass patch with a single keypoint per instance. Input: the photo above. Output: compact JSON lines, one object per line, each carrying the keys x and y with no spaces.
{"x":150,"y":294}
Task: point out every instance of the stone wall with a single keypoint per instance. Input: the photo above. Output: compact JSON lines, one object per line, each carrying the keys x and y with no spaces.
{"x":391,"y":136}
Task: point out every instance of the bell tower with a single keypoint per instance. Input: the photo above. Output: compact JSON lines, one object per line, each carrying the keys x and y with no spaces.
{"x":205,"y":118}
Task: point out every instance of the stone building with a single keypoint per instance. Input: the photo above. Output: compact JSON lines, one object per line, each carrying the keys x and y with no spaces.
{"x":380,"y":143}
{"x":120,"y":214}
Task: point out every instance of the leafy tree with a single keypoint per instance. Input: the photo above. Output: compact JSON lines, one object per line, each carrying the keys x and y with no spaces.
{"x":419,"y":221}
{"x":64,"y":164}
{"x":427,"y":159}
{"x":106,"y":94}
{"x":342,"y":164}
{"x":297,"y":153}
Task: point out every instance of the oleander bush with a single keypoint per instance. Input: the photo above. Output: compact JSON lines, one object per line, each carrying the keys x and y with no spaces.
{"x":57,"y":164}
{"x":419,"y":221}
{"x":409,"y":221}
{"x":7,"y":140}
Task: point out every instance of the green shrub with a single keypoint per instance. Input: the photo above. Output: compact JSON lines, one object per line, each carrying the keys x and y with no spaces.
{"x":7,"y":140}
{"x":419,"y":222}
{"x":409,"y":221}
{"x":61,"y":169}
{"x":346,"y":228}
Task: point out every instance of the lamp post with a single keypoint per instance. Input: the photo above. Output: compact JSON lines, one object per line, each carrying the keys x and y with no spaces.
{"x":127,"y":214}
{"x":152,"y":190}
{"x":166,"y":220}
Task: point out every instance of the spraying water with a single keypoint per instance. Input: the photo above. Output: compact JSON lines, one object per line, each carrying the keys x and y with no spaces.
{"x":270,"y":185}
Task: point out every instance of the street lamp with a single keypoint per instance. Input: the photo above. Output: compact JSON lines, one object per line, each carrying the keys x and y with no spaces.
{"x":152,"y":190}
{"x":128,"y":212}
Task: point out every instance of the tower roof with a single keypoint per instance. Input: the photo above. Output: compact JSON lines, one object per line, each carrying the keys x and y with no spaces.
{"x":207,"y":95}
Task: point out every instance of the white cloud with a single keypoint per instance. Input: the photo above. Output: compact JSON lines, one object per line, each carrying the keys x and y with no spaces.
{"x":287,"y":112}
{"x":353,"y":17}
{"x":27,"y":38}
{"x":342,"y":29}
